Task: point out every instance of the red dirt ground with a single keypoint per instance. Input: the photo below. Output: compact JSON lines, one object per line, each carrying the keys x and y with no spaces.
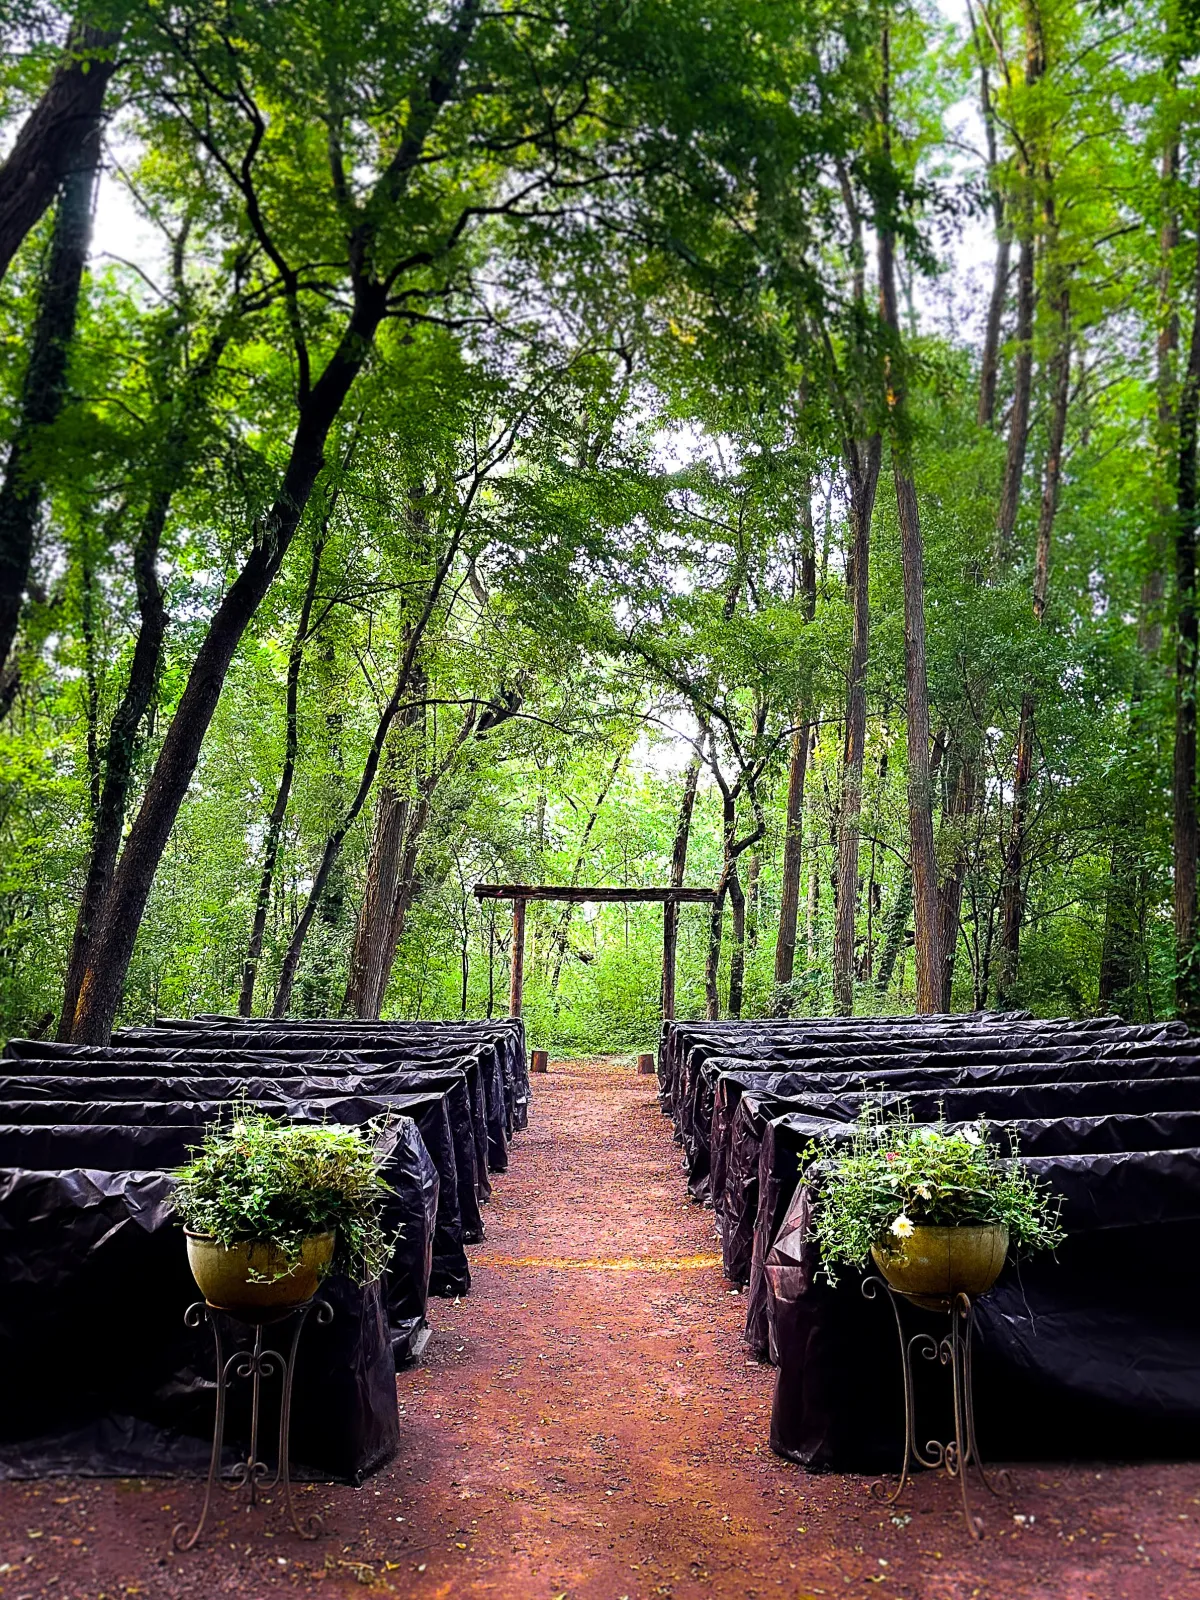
{"x":585,"y":1426}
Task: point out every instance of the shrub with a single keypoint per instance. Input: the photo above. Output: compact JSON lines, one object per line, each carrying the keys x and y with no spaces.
{"x":276,"y":1182}
{"x":894,"y":1174}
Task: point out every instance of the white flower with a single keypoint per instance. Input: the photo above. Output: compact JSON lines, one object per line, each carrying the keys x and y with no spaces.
{"x":972,"y":1135}
{"x":902,"y":1227}
{"x":924,"y":1191}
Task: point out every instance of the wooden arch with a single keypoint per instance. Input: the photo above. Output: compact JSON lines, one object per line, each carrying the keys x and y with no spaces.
{"x":520,"y":893}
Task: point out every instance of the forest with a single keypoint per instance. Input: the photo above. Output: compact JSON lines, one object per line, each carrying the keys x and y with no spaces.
{"x":598,"y":442}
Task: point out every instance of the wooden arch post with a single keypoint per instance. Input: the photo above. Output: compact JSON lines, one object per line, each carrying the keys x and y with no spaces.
{"x":670,"y":939}
{"x":516,"y":982}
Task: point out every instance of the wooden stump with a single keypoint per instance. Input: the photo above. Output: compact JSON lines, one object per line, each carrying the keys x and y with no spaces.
{"x":645,"y":1065}
{"x":539,"y":1061}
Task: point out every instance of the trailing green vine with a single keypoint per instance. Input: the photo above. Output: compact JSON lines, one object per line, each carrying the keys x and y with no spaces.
{"x":893,"y":1175}
{"x":257,"y":1177}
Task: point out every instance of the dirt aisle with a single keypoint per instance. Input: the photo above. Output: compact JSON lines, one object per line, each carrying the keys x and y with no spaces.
{"x":586,"y":1427}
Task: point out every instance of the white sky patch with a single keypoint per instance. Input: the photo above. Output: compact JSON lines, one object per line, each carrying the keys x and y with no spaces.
{"x":120,"y":229}
{"x":665,"y":750}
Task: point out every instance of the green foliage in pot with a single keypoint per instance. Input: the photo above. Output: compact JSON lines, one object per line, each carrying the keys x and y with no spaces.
{"x":276,"y":1182}
{"x":893,"y":1175}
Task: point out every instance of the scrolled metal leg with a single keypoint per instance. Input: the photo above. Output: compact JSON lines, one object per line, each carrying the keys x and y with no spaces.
{"x":311,"y":1526}
{"x":959,"y":1453}
{"x":929,"y":1349}
{"x":960,"y":1325}
{"x":1002,"y":1477}
{"x":912,"y":1451}
{"x":257,"y":1363}
{"x":180,"y":1538}
{"x":253,"y":1465}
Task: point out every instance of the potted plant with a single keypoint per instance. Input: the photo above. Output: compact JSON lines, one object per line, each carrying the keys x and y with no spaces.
{"x":269,"y":1207}
{"x":935,"y":1206}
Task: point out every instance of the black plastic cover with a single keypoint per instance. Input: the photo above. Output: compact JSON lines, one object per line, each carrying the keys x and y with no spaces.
{"x":93,"y":1286}
{"x":1092,"y":1352}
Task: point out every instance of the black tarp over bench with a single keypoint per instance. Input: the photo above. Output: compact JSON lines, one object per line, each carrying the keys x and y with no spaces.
{"x":1089,"y":1353}
{"x":93,"y":1276}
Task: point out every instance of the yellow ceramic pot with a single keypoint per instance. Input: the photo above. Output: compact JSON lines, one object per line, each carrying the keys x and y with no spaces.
{"x":933,"y":1264}
{"x":223,"y":1272}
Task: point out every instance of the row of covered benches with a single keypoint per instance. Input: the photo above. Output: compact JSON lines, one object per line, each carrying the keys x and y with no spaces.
{"x":1091,"y":1351}
{"x":93,"y":1278}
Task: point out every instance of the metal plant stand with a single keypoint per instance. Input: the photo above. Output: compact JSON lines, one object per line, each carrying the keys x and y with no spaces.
{"x":257,"y":1363}
{"x":952,"y":1350}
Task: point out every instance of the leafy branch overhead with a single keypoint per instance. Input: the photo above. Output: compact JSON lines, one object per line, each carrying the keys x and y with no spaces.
{"x":727,"y":444}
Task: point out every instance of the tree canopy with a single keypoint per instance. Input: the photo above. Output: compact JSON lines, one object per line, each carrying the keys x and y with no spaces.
{"x":737,"y":444}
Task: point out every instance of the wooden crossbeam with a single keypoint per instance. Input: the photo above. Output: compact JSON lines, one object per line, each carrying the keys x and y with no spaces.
{"x":604,"y":896}
{"x":519,"y":893}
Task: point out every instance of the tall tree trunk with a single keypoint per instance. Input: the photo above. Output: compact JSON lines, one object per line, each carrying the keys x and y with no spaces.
{"x":1018,"y":423}
{"x":1012,"y":904}
{"x":716,"y":922}
{"x":926,"y":916}
{"x":1012,"y":893}
{"x":679,"y":850}
{"x":753,"y":890}
{"x":863,"y":455}
{"x":1154,"y":586}
{"x":379,"y":897}
{"x":990,"y":361}
{"x":793,"y":852}
{"x":121,"y":750}
{"x":384,"y":863}
{"x":1127,"y":875}
{"x":1187,"y":636}
{"x":91,"y":698}
{"x":989,"y":365}
{"x":60,"y":137}
{"x":44,"y":389}
{"x":114,"y":938}
{"x":863,"y":463}
{"x":737,"y":954}
{"x":964,"y":787}
{"x":122,"y":745}
{"x":283,"y":791}
{"x":712,"y":957}
{"x":683,"y":828}
{"x":963,"y":795}
{"x":491,"y":922}
{"x":407,"y":888}
{"x":813,"y":908}
{"x":464,"y":953}
{"x":409,"y":884}
{"x":535,"y":924}
{"x":1018,"y":417}
{"x":729,"y":887}
{"x":926,"y":911}
{"x":793,"y":836}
